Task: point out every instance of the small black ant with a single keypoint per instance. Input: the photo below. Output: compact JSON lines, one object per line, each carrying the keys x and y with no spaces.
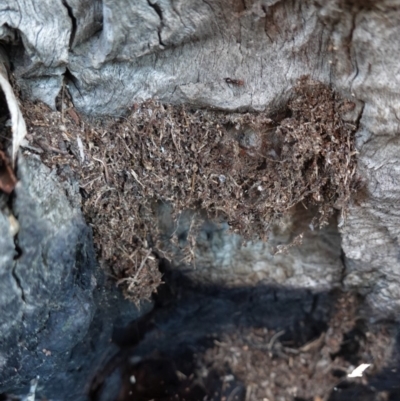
{"x":237,"y":82}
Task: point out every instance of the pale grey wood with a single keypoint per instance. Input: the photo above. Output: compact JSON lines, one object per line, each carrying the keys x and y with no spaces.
{"x":43,"y":30}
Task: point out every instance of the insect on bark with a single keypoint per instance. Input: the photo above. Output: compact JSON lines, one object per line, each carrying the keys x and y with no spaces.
{"x":237,"y":82}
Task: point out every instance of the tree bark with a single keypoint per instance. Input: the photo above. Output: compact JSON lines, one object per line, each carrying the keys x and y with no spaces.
{"x":111,"y":55}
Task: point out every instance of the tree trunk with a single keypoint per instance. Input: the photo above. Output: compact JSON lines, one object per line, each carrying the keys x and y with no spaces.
{"x":227,"y":55}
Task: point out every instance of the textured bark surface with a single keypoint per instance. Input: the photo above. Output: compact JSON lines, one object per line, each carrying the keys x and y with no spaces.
{"x":50,"y":284}
{"x":111,"y":55}
{"x":225,"y":260}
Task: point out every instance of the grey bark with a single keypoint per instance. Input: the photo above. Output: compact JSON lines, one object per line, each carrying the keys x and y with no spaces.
{"x":113,"y":54}
{"x":55,"y":302}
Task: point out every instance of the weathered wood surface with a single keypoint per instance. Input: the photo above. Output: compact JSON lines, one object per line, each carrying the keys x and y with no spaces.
{"x":55,"y":303}
{"x":181,"y":52}
{"x":112,"y":54}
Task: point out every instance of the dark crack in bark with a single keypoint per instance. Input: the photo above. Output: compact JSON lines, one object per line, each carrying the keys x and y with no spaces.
{"x":159,"y":12}
{"x":18,"y":282}
{"x":73,"y":23}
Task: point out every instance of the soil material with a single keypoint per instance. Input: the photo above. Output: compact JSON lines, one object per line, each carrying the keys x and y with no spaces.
{"x":273,"y":369}
{"x":237,"y":347}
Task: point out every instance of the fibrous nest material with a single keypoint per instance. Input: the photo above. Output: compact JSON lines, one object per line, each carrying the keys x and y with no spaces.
{"x":243,"y":169}
{"x":274,"y":370}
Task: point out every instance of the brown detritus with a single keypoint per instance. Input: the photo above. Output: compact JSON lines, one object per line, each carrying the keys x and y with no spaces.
{"x":287,"y":356}
{"x":278,"y":370}
{"x":250,"y":142}
{"x":7,"y":176}
{"x":244,"y":169}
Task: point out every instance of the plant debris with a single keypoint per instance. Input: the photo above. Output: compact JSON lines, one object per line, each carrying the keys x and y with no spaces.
{"x":242,"y":169}
{"x":272,"y":369}
{"x":7,"y":176}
